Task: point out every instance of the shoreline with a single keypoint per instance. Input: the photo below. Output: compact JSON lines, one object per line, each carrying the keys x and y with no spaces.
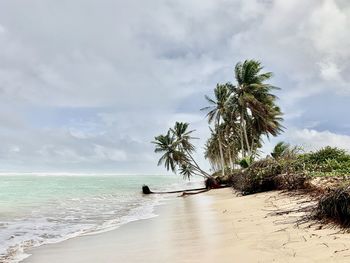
{"x":61,"y":208}
{"x":20,"y":255}
{"x":213,"y":226}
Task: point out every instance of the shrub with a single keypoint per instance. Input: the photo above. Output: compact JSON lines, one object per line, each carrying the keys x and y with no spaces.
{"x":327,"y":160}
{"x":258,"y":177}
{"x":327,"y":153}
{"x":270,"y":174}
{"x":294,"y":181}
{"x":246,"y":162}
{"x":339,"y":166}
{"x":335,"y":206}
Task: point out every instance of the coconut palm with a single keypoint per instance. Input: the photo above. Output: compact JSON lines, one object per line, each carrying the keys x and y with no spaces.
{"x":212,"y":152}
{"x":183,"y":136}
{"x":171,"y":157}
{"x":232,"y":136}
{"x":253,"y":101}
{"x":268,"y":124}
{"x":177,"y":151}
{"x":216,"y":109}
{"x":284,"y":150}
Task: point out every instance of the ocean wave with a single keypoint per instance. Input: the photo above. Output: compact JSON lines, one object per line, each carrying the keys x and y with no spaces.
{"x":20,"y":235}
{"x":36,"y":211}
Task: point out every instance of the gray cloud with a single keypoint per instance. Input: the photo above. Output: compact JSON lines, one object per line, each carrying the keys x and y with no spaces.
{"x":85,"y":85}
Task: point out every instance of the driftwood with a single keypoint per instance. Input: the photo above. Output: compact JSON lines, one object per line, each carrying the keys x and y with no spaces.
{"x":146,"y":190}
{"x":194,"y":193}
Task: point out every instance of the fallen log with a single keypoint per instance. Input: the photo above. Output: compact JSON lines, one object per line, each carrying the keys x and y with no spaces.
{"x":146,"y":190}
{"x":194,"y":193}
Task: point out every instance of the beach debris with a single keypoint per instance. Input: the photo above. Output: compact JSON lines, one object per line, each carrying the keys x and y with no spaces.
{"x":146,"y":190}
{"x":334,"y":206}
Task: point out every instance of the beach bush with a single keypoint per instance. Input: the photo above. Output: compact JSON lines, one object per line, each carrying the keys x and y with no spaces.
{"x":326,"y":153}
{"x":256,"y":178}
{"x":292,"y":175}
{"x":245,"y":162}
{"x":335,"y":206}
{"x":292,"y":171}
{"x":326,"y":160}
{"x":270,"y":174}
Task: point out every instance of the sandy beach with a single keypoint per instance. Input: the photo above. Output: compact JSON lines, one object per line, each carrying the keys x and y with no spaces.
{"x":217,"y":226}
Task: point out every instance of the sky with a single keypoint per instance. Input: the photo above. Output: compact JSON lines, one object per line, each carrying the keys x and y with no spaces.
{"x":85,"y":85}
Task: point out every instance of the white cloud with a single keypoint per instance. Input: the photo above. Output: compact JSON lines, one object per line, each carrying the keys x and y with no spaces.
{"x":328,"y":26}
{"x":106,"y":153}
{"x":116,"y":73}
{"x":309,"y":139}
{"x":330,"y":71}
{"x":2,"y":29}
{"x":313,"y":139}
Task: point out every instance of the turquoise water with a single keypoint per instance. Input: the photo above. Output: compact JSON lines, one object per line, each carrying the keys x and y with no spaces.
{"x":36,"y":210}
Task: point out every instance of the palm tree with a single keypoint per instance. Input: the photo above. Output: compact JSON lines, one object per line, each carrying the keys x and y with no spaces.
{"x":266,"y":124}
{"x":284,"y":150}
{"x":254,"y":103}
{"x":216,"y":110}
{"x":212,"y":152}
{"x":177,"y":151}
{"x":183,"y":137}
{"x":171,"y":157}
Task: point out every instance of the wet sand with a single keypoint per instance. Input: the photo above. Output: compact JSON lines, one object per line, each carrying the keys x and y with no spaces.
{"x":216,"y":226}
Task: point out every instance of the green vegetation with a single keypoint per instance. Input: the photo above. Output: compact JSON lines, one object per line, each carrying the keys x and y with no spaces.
{"x":240,"y":115}
{"x":289,"y":169}
{"x":282,"y":171}
{"x":177,"y":151}
{"x":327,"y":161}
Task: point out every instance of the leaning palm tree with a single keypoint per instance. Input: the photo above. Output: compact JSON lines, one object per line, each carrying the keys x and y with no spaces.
{"x":177,"y":151}
{"x":171,"y":157}
{"x":183,"y":138}
{"x":216,"y":110}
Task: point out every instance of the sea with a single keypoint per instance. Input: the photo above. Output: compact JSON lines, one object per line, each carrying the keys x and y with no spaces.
{"x":37,"y":209}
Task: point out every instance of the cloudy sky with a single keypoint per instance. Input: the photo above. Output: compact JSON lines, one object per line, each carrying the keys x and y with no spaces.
{"x":86,"y":84}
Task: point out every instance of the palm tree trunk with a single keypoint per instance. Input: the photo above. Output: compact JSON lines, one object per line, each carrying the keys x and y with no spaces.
{"x":241,"y":136}
{"x":252,"y":146}
{"x":246,"y":139}
{"x":220,"y":149}
{"x":245,"y":133}
{"x":242,"y":143}
{"x":230,"y":157}
{"x":197,"y":166}
{"x":199,"y":172}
